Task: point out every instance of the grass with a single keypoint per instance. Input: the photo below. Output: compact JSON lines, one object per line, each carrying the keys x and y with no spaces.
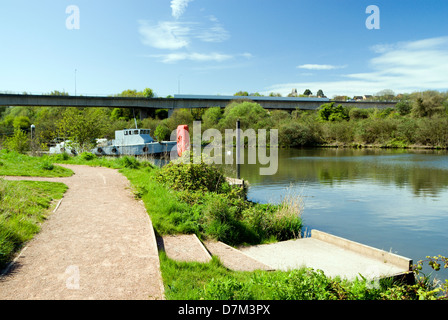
{"x":24,"y":206}
{"x":16,"y":164}
{"x":212,"y":281}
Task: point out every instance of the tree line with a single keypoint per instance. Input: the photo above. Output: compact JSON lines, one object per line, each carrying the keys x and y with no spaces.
{"x":419,"y":119}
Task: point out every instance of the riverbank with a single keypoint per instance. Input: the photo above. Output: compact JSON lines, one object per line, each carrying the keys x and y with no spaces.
{"x":212,"y":280}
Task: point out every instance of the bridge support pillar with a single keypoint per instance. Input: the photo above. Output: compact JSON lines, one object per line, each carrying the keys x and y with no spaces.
{"x":170,"y":112}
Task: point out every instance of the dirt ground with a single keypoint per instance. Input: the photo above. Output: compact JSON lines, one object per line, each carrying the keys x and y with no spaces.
{"x":99,"y":244}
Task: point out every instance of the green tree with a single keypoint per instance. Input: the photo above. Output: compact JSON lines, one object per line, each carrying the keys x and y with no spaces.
{"x":19,"y":142}
{"x":211,"y":117}
{"x":162,"y":133}
{"x":427,"y":104}
{"x":22,"y":123}
{"x":320,"y":93}
{"x":82,"y":126}
{"x":330,"y":112}
{"x":242,"y":93}
{"x":307,"y":92}
{"x":250,"y":114}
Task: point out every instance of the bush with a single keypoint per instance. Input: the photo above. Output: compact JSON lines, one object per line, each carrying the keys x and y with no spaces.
{"x":47,"y":165}
{"x":293,"y":134}
{"x":403,"y":107}
{"x":192,"y":177}
{"x":328,"y":112}
{"x":19,"y":142}
{"x":432,"y":132}
{"x":357,"y":113}
{"x":88,"y":156}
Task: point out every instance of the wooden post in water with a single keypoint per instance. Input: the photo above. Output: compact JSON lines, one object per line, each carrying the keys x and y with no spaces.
{"x":238,"y":151}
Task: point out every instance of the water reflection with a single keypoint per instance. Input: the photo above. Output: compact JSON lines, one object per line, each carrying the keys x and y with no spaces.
{"x":395,"y":200}
{"x":426,"y":172}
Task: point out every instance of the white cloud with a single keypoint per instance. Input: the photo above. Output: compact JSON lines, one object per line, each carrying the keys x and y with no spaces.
{"x":319,"y":67}
{"x":215,"y":33}
{"x":197,"y":57}
{"x":178,"y":7}
{"x":403,"y":67}
{"x":175,"y":35}
{"x":165,"y":35}
{"x":201,"y":57}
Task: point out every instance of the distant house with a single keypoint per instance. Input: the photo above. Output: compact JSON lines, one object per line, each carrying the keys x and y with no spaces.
{"x":367,"y":96}
{"x":358,"y":98}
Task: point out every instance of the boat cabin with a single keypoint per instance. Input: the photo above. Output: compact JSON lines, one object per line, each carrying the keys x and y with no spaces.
{"x":132,"y":137}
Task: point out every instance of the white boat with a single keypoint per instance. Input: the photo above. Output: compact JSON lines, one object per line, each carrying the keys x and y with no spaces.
{"x":136,"y":142}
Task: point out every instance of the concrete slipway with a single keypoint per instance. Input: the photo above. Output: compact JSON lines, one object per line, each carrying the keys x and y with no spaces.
{"x":334,"y":255}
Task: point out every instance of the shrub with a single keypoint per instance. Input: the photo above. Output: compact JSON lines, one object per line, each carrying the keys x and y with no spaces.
{"x":19,"y":142}
{"x":357,"y":113}
{"x":376,"y":130}
{"x":192,"y":177}
{"x":328,"y":112}
{"x":403,"y":107}
{"x":47,"y":165}
{"x":432,"y":131}
{"x":88,"y":156}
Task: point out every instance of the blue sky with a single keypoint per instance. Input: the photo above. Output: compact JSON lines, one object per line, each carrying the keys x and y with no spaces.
{"x":223,"y":46}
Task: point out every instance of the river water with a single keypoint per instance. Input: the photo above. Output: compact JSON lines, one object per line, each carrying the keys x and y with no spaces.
{"x":393,"y":200}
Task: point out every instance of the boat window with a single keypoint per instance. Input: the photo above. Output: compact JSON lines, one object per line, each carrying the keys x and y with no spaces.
{"x":125,"y":133}
{"x":135,"y":131}
{"x":130,"y":132}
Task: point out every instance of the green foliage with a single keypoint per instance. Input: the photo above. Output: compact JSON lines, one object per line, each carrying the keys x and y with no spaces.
{"x":19,"y":142}
{"x":22,"y":123}
{"x":307,"y":92}
{"x":403,"y":107}
{"x":427,"y":104}
{"x":211,"y":281}
{"x":179,"y":117}
{"x":357,"y":113}
{"x":129,"y":162}
{"x":250,"y":114}
{"x":330,"y":112}
{"x":192,"y":177}
{"x":162,"y":133}
{"x":296,"y":134}
{"x":87,"y":156}
{"x":82,"y":126}
{"x":211,"y":117}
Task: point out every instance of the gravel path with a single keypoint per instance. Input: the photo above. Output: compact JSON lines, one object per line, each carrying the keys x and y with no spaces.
{"x":99,"y":245}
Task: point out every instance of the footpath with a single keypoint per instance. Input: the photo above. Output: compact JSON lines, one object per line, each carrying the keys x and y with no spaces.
{"x":99,"y":244}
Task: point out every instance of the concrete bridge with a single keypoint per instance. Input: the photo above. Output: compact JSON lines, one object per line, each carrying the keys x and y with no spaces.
{"x":178,"y":102}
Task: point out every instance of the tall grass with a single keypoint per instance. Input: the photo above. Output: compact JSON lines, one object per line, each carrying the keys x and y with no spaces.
{"x":23,"y":207}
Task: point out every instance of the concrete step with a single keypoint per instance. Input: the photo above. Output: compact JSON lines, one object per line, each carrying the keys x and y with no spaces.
{"x":189,"y":248}
{"x":234,"y":259}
